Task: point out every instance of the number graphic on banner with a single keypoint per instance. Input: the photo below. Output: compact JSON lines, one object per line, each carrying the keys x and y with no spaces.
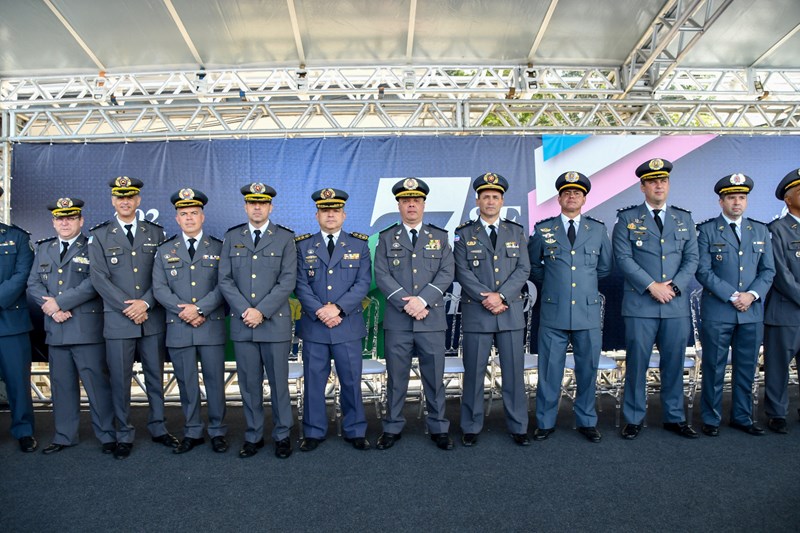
{"x":151,"y":215}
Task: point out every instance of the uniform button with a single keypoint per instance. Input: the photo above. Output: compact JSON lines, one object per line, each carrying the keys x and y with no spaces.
{"x":255,"y":257}
{"x":572,"y":252}
{"x":60,"y":282}
{"x":574,"y":284}
{"x":741,"y":268}
{"x":414,"y":270}
{"x":136,"y":270}
{"x":413,"y":255}
{"x":253,"y":276}
{"x":137,"y":287}
{"x":573,"y":302}
{"x":194,"y":300}
{"x":663,"y":276}
{"x":573,"y":268}
{"x":60,"y":271}
{"x":495,"y":258}
{"x":740,"y":284}
{"x":272,"y":253}
{"x":59,"y":292}
{"x":330,"y":271}
{"x":662,"y":241}
{"x":329,"y":287}
{"x":191,"y":267}
{"x":741,"y":253}
{"x":497,"y":269}
{"x":498,"y":283}
{"x":194,"y":283}
{"x":133,"y":253}
{"x":663,"y":257}
{"x":252,"y":295}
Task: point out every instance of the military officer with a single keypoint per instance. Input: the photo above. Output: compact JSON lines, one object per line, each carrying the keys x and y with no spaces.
{"x":121,"y":252}
{"x":655,"y":246}
{"x":16,"y":258}
{"x":414,"y":266}
{"x":334,"y":272}
{"x":59,"y":283}
{"x":569,"y":253}
{"x":736,"y":270}
{"x":257,"y":273}
{"x":185,"y":277}
{"x":492,"y":267}
{"x":782,"y":315}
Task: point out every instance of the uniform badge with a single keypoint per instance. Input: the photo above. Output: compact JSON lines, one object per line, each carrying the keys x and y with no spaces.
{"x":631,"y":226}
{"x":719,"y":258}
{"x":311,"y":251}
{"x":186,"y":194}
{"x":571,"y":177}
{"x":737,"y":179}
{"x":327,"y":194}
{"x":410,"y":184}
{"x":472,"y":243}
{"x":512,"y":245}
{"x":396,"y":262}
{"x":550,"y":241}
{"x":797,"y":254}
{"x":656,"y":164}
{"x":545,"y":230}
{"x":395,"y":245}
{"x":80,"y":260}
{"x":311,"y":272}
{"x":548,"y":235}
{"x":352,"y":257}
{"x":638,"y":243}
{"x":643,"y":228}
{"x":434,"y":244}
{"x":114,"y":260}
{"x":476,"y":263}
{"x":173,"y":272}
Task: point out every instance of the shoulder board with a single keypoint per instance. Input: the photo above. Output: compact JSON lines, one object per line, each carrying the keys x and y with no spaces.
{"x":46,"y":240}
{"x":168,"y":239}
{"x":302,"y":237}
{"x":436,"y":227}
{"x":215,"y":239}
{"x":23,"y":230}
{"x":152,"y":223}
{"x":290,"y":230}
{"x":237,"y":226}
{"x":545,"y":220}
{"x":361,"y":236}
{"x":682,"y":209}
{"x":706,"y":221}
{"x":626,"y":208}
{"x":512,"y":222}
{"x":100,"y":225}
{"x":774,"y":221}
{"x":464,"y":224}
{"x":756,"y":221}
{"x":595,"y":219}
{"x":390,"y":227}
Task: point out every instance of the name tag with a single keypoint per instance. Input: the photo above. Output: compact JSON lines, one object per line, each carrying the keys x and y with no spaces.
{"x":351,"y":257}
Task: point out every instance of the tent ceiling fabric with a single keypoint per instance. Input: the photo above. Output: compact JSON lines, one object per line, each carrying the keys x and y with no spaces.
{"x":143,"y":35}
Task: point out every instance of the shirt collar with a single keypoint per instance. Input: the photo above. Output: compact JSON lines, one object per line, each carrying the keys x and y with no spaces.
{"x":196,"y":237}
{"x":71,"y":241}
{"x":650,"y":208}
{"x":794,"y":217}
{"x":132,"y":222}
{"x":728,"y":221}
{"x":418,"y":227}
{"x":565,"y":220}
{"x":262,"y":228}
{"x":335,"y":236}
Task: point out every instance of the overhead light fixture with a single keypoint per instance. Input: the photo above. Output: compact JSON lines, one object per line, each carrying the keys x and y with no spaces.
{"x":301,"y":79}
{"x":409,"y":81}
{"x":200,"y":81}
{"x":99,"y":86}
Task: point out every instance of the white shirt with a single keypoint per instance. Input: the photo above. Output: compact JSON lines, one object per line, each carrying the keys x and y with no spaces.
{"x":335,"y":237}
{"x":262,"y":228}
{"x":660,"y":214}
{"x":196,"y":238}
{"x":487,"y":224}
{"x":565,"y":220}
{"x":418,"y":227}
{"x":132,"y":223}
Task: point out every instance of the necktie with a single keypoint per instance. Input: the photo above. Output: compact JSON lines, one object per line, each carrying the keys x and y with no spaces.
{"x":257,"y":237}
{"x":656,"y":215}
{"x":330,"y":245}
{"x":413,"y":238}
{"x":734,"y":228}
{"x":571,"y":232}
{"x":191,"y":247}
{"x":493,"y":235}
{"x":64,"y":247}
{"x":129,"y":233}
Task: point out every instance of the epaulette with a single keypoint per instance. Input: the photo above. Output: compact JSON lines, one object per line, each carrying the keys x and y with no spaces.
{"x":100,"y":225}
{"x":464,"y":224}
{"x":237,"y":226}
{"x":546,"y":219}
{"x":23,"y":230}
{"x":706,"y":221}
{"x":217,"y":239}
{"x":756,"y":221}
{"x":302,"y":237}
{"x":389,"y":227}
{"x":165,"y":241}
{"x":153,"y":223}
{"x":626,"y":208}
{"x":361,"y":236}
{"x":512,"y":222}
{"x":42,"y":241}
{"x":595,"y":219}
{"x":682,"y":209}
{"x":769,"y":224}
{"x":437,"y":227}
{"x":290,"y":230}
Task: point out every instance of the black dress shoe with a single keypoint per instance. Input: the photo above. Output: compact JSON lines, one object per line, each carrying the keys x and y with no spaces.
{"x":387,"y":440}
{"x":109,"y":447}
{"x":778,"y":425}
{"x":681,"y":428}
{"x":442,"y":440}
{"x":591,"y":433}
{"x":710,"y":430}
{"x":521,"y":439}
{"x":123,"y":450}
{"x":28,"y":444}
{"x":283,"y":448}
{"x":188,"y":444}
{"x":750,"y":429}
{"x":250,"y":449}
{"x":631,"y":431}
{"x":359,"y":443}
{"x":542,"y":433}
{"x":53,"y":448}
{"x":308,"y":444}
{"x":167,"y":440}
{"x":219,"y":444}
{"x":469,"y":439}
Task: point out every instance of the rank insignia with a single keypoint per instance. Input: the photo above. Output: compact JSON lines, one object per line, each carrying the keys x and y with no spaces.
{"x":434,"y":244}
{"x":114,"y":260}
{"x":719,"y":258}
{"x":550,"y":241}
{"x":512,"y":245}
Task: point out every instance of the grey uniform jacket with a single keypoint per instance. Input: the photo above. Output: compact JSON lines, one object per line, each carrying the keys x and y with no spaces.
{"x":426,"y":270}
{"x":725,"y":268}
{"x":645,"y":256}
{"x":783,"y":301}
{"x":68,"y":282}
{"x":480,"y":268}
{"x":262,"y":277}
{"x":16,"y":258}
{"x":569,"y":273}
{"x":177,"y":279}
{"x":121,"y":271}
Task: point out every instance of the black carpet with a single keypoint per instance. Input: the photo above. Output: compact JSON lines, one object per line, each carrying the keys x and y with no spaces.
{"x":659,"y":482}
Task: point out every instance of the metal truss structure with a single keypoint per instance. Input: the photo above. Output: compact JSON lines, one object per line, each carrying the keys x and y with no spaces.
{"x":383,"y":100}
